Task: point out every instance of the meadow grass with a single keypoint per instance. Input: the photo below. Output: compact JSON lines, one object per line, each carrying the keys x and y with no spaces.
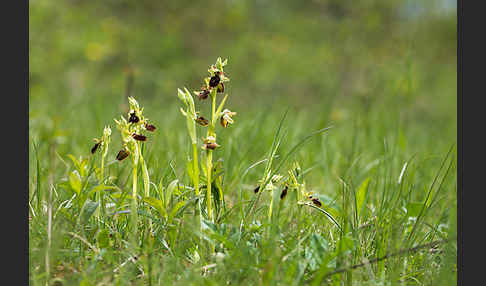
{"x":389,"y":188}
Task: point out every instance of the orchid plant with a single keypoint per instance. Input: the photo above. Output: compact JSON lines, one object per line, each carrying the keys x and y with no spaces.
{"x":213,"y":85}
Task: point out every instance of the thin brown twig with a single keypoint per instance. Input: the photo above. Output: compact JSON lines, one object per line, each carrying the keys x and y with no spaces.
{"x":400,"y":252}
{"x":96,"y":250}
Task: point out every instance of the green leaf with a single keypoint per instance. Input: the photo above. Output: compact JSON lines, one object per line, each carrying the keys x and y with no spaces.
{"x":190,"y":170}
{"x":101,"y":188}
{"x":190,"y":101}
{"x":174,"y":210}
{"x":75,"y":161}
{"x":182,"y":96}
{"x":414,"y":208}
{"x":146,"y":179}
{"x":170,"y":190}
{"x":75,"y":182}
{"x":191,"y":127}
{"x":220,"y":108}
{"x":361,"y":195}
{"x":345,"y":244}
{"x":88,"y":210}
{"x":79,"y":164}
{"x":103,"y":239}
{"x":204,"y":162}
{"x":217,"y":196}
{"x":316,"y":251}
{"x":156,"y":204}
{"x":319,"y":243}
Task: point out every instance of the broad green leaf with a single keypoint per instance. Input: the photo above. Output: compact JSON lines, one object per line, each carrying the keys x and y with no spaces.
{"x":190,"y":171}
{"x":170,"y":190}
{"x":191,"y":127}
{"x":146,"y":179}
{"x":88,"y":210}
{"x":156,"y":204}
{"x":174,"y":211}
{"x":79,"y":164}
{"x":361,"y":195}
{"x":190,"y":102}
{"x":204,"y":163}
{"x":345,"y":244}
{"x":182,"y":96}
{"x":100,"y":188}
{"x":160,"y":190}
{"x":103,"y":239}
{"x":414,"y":208}
{"x":319,"y":243}
{"x":75,"y":182}
{"x":316,"y":251}
{"x":75,"y":161}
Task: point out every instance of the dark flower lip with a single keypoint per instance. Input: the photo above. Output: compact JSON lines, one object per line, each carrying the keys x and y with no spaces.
{"x":317,"y":202}
{"x":284,"y":193}
{"x":150,"y":127}
{"x":211,"y":146}
{"x":202,"y":121}
{"x":256,"y":189}
{"x":139,"y":137}
{"x":133,"y":118}
{"x":214,"y":81}
{"x":203,"y":94}
{"x":95,"y":147}
{"x":122,"y":154}
{"x":220,"y":88}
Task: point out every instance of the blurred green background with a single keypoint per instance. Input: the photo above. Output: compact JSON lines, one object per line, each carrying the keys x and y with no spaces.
{"x":352,"y":64}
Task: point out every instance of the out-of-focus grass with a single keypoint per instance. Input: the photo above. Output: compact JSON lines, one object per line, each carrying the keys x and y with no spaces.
{"x":385,"y":80}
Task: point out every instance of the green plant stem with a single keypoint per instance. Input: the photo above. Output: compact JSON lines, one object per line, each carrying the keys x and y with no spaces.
{"x":209,"y":160}
{"x":133,"y":210}
{"x":209,"y":167}
{"x":134,"y":183}
{"x":196,"y":180}
{"x":101,"y":206}
{"x":102,"y":168}
{"x":146,"y":183}
{"x":271,"y":207}
{"x":196,"y":169}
